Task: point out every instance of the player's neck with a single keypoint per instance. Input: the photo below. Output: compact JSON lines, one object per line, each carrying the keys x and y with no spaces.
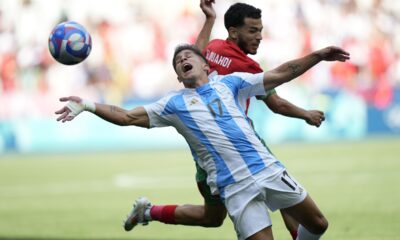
{"x":236,"y":44}
{"x":197,"y":82}
{"x":231,"y":40}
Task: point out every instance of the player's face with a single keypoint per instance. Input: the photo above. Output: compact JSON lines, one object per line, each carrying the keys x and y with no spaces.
{"x":249,"y":35}
{"x":189,"y":66}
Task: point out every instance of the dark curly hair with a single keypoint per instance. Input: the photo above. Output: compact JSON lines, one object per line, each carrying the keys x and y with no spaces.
{"x":236,"y":14}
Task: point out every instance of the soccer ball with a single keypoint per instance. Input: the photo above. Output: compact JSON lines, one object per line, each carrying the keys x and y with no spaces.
{"x":70,"y":43}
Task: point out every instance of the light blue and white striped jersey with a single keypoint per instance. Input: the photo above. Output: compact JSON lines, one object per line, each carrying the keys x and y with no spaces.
{"x":212,"y":120}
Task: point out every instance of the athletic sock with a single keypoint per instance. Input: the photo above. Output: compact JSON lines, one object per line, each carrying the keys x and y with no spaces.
{"x":304,"y":234}
{"x":163,"y":213}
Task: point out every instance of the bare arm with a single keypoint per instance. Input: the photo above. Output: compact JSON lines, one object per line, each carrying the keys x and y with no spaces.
{"x":286,"y":108}
{"x":119,"y":116}
{"x":136,"y":117}
{"x":204,"y":36}
{"x":292,"y":69}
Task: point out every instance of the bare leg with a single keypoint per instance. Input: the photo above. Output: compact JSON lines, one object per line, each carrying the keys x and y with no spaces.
{"x":198,"y":215}
{"x":308,"y":214}
{"x":291,"y":224}
{"x":265,"y":234}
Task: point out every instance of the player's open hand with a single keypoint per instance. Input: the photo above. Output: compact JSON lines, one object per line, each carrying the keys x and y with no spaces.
{"x":207,"y":8}
{"x":315,"y":118}
{"x":333,"y":54}
{"x":72,"y":109}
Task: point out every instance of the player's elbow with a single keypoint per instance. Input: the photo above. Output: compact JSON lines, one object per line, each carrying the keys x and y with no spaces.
{"x":135,"y":120}
{"x":123,"y":123}
{"x":125,"y":120}
{"x":275,"y":108}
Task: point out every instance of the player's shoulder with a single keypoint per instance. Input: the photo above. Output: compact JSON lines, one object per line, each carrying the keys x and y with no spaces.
{"x":216,"y":44}
{"x":215,"y":78}
{"x":237,"y":78}
{"x":170,"y":96}
{"x":216,"y":41}
{"x":241,"y":75}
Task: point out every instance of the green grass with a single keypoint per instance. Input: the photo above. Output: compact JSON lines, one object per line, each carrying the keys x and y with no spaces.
{"x":86,"y":196}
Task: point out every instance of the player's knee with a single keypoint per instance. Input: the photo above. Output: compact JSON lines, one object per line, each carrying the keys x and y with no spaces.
{"x":320,"y":226}
{"x":213,"y":222}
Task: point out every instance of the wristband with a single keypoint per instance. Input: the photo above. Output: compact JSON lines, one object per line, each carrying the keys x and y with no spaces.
{"x":88,"y":105}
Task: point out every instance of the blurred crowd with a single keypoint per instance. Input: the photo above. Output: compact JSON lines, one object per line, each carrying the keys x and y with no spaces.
{"x":133,"y":42}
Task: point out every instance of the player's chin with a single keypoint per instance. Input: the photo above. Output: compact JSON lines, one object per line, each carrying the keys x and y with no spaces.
{"x":187,"y":75}
{"x":253,"y":50}
{"x":188,"y":79}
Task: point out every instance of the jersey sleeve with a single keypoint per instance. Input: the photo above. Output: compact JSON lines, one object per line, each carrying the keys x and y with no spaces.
{"x":160,"y":112}
{"x":268,"y":93}
{"x":245,"y":85}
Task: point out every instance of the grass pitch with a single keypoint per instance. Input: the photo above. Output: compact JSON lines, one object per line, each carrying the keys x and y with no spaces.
{"x":86,"y":196}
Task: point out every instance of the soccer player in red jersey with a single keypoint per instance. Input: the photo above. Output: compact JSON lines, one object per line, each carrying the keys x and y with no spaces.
{"x":244,"y":26}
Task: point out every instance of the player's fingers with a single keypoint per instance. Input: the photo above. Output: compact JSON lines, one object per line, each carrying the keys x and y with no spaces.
{"x":64,"y":120}
{"x":343,"y":52}
{"x":317,"y":122}
{"x":62,"y":116}
{"x":64,"y":99}
{"x":343,"y":56}
{"x":339,"y":50}
{"x":320,"y":116}
{"x":61,"y":110}
{"x":68,"y":118}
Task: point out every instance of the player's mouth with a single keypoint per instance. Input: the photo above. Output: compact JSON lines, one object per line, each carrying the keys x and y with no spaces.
{"x":256,"y":45}
{"x":186,"y":67}
{"x":253,"y":48}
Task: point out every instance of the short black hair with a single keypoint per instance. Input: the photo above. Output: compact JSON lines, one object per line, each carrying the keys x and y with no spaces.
{"x":237,"y":12}
{"x":190,"y":47}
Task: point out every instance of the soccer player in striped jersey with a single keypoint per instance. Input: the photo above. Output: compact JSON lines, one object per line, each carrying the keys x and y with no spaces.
{"x":244,"y":26}
{"x":209,"y":114}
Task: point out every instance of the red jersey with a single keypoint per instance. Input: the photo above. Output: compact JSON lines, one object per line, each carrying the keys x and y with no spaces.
{"x":226,"y":57}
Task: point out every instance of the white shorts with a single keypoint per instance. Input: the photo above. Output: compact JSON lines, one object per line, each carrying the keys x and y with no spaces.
{"x":248,"y":201}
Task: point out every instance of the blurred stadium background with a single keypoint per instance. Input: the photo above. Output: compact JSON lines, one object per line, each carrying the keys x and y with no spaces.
{"x":130,"y":65}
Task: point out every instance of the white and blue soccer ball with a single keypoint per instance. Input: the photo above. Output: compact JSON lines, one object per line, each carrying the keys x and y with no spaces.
{"x":70,"y":43}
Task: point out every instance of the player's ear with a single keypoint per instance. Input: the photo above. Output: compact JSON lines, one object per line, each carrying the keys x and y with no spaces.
{"x":206,"y":68}
{"x":233,"y":33}
{"x":179,"y":79}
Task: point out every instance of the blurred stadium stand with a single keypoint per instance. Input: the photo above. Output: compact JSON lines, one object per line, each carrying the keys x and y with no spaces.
{"x":130,"y":64}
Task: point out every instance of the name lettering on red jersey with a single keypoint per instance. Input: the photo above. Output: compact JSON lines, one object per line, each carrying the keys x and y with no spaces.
{"x":218,"y":59}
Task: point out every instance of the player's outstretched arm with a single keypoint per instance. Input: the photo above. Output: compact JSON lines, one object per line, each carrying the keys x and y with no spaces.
{"x":292,"y":69}
{"x":284,"y":107}
{"x":119,"y":116}
{"x":204,"y":36}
